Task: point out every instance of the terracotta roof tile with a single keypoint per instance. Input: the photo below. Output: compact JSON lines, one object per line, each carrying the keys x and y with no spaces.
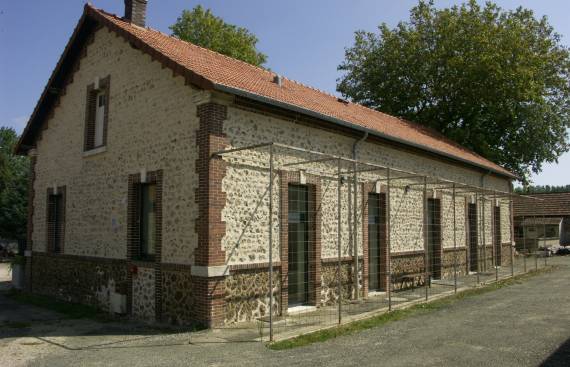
{"x":551,"y":204}
{"x":214,"y":69}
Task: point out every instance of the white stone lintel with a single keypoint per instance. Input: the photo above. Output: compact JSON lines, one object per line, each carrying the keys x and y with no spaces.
{"x":210,"y":271}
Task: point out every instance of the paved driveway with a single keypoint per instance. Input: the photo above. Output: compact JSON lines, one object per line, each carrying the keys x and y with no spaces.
{"x":525,"y":324}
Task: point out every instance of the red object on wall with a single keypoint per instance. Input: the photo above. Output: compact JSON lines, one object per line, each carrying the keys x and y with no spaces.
{"x":133,"y":269}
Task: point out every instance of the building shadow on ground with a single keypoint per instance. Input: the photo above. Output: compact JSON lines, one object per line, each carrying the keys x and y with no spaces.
{"x":560,"y":357}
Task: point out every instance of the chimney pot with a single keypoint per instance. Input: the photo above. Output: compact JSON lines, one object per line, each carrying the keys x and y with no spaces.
{"x":135,"y":12}
{"x":278,"y":79}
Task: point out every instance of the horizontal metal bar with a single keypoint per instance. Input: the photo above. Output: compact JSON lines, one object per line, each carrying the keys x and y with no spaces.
{"x":249,"y":147}
{"x":464,"y":188}
{"x":402,"y":177}
{"x":308,"y":161}
{"x":363,"y":170}
{"x":308,"y":112}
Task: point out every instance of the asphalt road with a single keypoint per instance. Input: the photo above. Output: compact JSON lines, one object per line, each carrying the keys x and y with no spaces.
{"x":525,"y":324}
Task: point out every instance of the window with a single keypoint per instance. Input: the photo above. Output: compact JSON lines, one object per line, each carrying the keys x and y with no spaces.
{"x":55,"y":220}
{"x":100,"y":118}
{"x":96,"y":116}
{"x":144,"y":216}
{"x":147,"y":220}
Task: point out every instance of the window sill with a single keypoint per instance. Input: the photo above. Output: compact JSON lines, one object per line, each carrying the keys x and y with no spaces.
{"x":94,"y":151}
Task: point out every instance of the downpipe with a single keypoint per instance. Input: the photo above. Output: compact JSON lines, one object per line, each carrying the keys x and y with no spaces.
{"x":355,"y":214}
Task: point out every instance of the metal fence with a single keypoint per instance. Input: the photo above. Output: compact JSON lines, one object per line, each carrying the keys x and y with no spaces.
{"x":337,"y":239}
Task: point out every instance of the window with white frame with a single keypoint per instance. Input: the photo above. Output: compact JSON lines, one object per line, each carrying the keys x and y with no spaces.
{"x":97,"y":113}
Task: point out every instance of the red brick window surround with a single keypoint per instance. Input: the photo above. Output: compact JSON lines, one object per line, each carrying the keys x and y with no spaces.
{"x":97,"y":114}
{"x":55,"y":219}
{"x":144,"y":222}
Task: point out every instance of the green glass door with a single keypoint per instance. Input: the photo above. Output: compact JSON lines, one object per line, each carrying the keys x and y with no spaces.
{"x":298,"y":257}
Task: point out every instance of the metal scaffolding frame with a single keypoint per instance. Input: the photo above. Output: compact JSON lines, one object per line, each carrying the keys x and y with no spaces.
{"x":390,"y":176}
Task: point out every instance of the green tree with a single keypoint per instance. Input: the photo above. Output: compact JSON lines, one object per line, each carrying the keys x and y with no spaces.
{"x":14,"y":171}
{"x":495,"y":81}
{"x":540,"y":189}
{"x":203,"y":28}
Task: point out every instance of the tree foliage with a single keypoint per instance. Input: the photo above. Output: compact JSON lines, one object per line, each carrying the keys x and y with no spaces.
{"x":203,"y":28}
{"x":495,"y":81}
{"x":14,"y":171}
{"x":540,"y":189}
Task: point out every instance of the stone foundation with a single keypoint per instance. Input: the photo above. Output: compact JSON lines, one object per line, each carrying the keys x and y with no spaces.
{"x":177,"y":296}
{"x":143,"y":305}
{"x":329,"y":282}
{"x":448,"y":263}
{"x":247,"y":295}
{"x":89,"y":281}
{"x":407,"y":263}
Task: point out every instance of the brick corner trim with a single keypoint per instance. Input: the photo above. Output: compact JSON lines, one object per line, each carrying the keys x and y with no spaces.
{"x":210,"y":138}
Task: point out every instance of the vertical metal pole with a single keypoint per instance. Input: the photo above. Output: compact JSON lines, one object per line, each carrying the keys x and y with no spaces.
{"x":524,"y":243}
{"x":495,"y":229}
{"x":271,"y":243}
{"x":339,"y":212}
{"x":512,"y":241}
{"x":477,"y":229}
{"x":483,"y":232}
{"x":545,"y":249}
{"x":388,"y":240}
{"x":454,"y":243}
{"x":537,"y":242}
{"x":349,"y":214}
{"x":425,"y":233}
{"x":355,"y":230}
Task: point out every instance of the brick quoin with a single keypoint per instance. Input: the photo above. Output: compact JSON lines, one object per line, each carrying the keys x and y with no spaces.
{"x":209,"y":291}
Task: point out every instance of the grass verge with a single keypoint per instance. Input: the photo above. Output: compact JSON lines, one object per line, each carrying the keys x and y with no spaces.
{"x":382,"y":319}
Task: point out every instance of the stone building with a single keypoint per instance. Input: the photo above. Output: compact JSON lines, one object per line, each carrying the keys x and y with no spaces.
{"x":542,"y":223}
{"x":132,"y":211}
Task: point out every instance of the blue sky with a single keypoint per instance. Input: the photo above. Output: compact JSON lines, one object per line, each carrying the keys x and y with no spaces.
{"x":304,"y":40}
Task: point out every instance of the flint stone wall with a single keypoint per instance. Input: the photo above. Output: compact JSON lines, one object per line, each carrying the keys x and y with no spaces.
{"x":247,"y":178}
{"x":152,"y":125}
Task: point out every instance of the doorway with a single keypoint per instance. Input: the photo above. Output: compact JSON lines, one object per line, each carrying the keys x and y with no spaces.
{"x":298,"y":246}
{"x":376,"y":242}
{"x":497,"y":233}
{"x":434,"y":237}
{"x":473,"y":239}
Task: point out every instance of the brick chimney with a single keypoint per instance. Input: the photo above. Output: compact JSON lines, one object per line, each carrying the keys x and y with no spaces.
{"x":135,"y":12}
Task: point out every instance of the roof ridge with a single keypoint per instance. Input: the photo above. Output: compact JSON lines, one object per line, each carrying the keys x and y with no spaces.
{"x":207,"y":68}
{"x":273,"y":73}
{"x":187,"y":42}
{"x":413,"y":124}
{"x":313,"y":88}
